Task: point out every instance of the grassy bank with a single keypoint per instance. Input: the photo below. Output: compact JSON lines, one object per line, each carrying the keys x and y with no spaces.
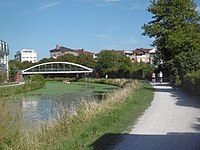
{"x":59,"y":88}
{"x":115,"y":82}
{"x":117,"y":117}
{"x":34,"y":83}
{"x":83,"y":128}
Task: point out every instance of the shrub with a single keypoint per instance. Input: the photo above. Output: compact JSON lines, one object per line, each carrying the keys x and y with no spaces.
{"x":191,"y":82}
{"x":36,"y":82}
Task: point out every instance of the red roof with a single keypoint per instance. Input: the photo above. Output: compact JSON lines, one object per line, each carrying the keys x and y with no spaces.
{"x":80,"y":51}
{"x":141,"y":50}
{"x":61,"y":48}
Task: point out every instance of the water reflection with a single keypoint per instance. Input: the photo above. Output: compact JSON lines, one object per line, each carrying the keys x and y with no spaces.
{"x":37,"y":108}
{"x":44,"y":107}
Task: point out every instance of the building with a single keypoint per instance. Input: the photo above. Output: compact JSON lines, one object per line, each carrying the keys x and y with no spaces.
{"x":152,"y":56}
{"x":60,"y":51}
{"x":26,"y":55}
{"x":4,"y":52}
{"x":145,"y":55}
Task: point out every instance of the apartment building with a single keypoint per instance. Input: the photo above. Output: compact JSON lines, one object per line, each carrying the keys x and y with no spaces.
{"x":26,"y":55}
{"x":60,"y":51}
{"x":4,"y":52}
{"x":145,"y":55}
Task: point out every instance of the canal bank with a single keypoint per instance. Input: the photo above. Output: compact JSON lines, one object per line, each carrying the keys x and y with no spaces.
{"x":90,"y":122}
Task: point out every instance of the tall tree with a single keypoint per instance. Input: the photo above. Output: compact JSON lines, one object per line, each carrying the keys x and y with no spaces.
{"x":175,"y":27}
{"x":114,"y":64}
{"x":67,"y":58}
{"x":86,"y":60}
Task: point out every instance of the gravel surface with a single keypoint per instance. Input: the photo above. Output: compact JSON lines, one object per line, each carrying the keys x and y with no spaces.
{"x":172,"y":122}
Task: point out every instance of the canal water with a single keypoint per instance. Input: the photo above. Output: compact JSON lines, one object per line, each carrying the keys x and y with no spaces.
{"x":55,"y":98}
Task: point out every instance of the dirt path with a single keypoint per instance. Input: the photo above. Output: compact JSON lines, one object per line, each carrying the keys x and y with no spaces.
{"x":172,"y":122}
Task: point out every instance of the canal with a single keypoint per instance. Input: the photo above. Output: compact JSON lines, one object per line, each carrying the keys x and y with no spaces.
{"x":51,"y":101}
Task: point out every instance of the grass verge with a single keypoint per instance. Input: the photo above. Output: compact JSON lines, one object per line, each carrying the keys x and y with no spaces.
{"x":115,"y":120}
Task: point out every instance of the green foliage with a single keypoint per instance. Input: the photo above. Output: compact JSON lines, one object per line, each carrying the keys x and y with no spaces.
{"x":175,"y":27}
{"x":114,"y":64}
{"x":44,"y":60}
{"x":187,"y":62}
{"x":39,"y":78}
{"x":13,"y":69}
{"x":36,"y":82}
{"x":68,"y":58}
{"x":141,"y":70}
{"x":115,"y":82}
{"x":116,"y":119}
{"x":191,"y":82}
{"x":3,"y":77}
{"x":61,"y":79}
{"x":86,"y":60}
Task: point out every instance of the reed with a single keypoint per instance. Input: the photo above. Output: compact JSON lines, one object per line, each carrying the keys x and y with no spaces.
{"x":78,"y":129}
{"x":117,"y":82}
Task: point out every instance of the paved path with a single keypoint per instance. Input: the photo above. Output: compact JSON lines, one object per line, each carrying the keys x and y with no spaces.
{"x":172,"y":122}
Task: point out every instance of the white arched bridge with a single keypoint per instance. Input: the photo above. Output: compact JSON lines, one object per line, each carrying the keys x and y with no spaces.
{"x":56,"y":68}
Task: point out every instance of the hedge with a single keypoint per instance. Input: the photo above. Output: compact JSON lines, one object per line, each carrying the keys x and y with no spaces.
{"x":191,"y":82}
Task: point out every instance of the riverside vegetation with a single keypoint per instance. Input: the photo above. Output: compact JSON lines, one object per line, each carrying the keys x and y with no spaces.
{"x":35,"y":82}
{"x":81,"y":128}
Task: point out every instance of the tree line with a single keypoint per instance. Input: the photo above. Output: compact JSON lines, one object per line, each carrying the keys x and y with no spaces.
{"x":110,"y":63}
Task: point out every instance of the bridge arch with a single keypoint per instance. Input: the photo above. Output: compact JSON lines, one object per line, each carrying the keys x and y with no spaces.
{"x":56,"y":68}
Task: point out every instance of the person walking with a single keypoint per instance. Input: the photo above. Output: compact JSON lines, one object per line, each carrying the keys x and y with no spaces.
{"x":153,"y":76}
{"x":160,"y":75}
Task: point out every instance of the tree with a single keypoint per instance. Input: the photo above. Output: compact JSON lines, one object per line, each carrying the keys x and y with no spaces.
{"x":114,"y":64}
{"x":13,"y":69}
{"x":44,"y":60}
{"x":175,"y":27}
{"x":67,"y":58}
{"x":86,"y":60}
{"x":141,"y":70}
{"x":26,"y":64}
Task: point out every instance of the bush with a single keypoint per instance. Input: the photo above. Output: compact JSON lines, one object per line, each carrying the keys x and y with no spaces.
{"x":186,"y":62}
{"x":191,"y":82}
{"x":36,"y":82}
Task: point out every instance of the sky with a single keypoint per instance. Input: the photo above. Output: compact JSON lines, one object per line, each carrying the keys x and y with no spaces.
{"x":93,"y":25}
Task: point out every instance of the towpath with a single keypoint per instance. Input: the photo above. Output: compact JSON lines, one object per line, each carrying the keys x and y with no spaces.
{"x":172,"y":122}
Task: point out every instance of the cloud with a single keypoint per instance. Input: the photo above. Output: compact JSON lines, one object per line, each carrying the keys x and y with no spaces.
{"x":27,"y":11}
{"x":49,"y":5}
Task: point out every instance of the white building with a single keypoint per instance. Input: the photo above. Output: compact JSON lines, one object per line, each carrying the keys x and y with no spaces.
{"x":152,"y":56}
{"x":26,"y":55}
{"x":4,"y":52}
{"x":140,"y":55}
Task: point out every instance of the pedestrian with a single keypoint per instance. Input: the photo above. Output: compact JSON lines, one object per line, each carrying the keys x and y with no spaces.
{"x":153,"y":77}
{"x":160,"y":75}
{"x":106,"y":76}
